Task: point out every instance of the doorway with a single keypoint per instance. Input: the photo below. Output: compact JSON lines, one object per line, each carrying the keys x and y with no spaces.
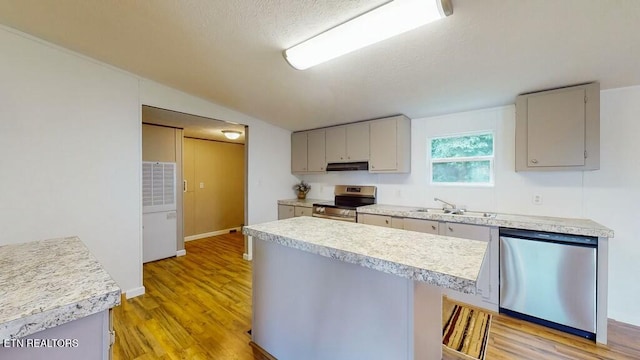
{"x":210,"y":176}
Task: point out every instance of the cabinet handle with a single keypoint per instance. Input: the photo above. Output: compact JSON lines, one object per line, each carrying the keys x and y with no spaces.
{"x":386,"y":221}
{"x":534,"y":161}
{"x":450,"y":229}
{"x":433,"y":227}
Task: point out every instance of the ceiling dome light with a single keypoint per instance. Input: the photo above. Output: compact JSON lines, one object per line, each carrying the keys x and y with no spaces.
{"x":381,"y":23}
{"x":231,"y":134}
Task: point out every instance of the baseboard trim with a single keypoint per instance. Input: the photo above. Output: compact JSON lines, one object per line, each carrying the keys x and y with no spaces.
{"x":131,"y":293}
{"x":182,"y":252}
{"x":261,"y":353}
{"x":209,"y":234}
{"x":246,"y":257}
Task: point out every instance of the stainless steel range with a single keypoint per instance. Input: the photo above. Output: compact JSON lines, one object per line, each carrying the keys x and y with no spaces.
{"x":347,"y":199}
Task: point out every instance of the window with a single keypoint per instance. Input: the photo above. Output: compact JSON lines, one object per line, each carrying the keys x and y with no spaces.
{"x":462,"y":159}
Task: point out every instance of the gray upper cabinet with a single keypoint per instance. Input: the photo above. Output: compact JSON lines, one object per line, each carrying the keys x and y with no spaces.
{"x":559,"y":129}
{"x":390,"y":145}
{"x":384,"y":143}
{"x":336,"y":144}
{"x":308,"y":151}
{"x":299,"y":152}
{"x":357,"y":141}
{"x":347,"y":143}
{"x":316,"y":158}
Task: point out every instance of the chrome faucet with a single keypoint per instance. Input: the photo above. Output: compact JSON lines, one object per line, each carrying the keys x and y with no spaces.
{"x":453,"y":206}
{"x":454,"y":209}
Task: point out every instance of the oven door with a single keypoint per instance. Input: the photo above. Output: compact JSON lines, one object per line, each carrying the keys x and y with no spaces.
{"x":340,"y":218}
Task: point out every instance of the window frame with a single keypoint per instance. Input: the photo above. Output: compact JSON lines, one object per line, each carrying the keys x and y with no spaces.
{"x":491,"y":159}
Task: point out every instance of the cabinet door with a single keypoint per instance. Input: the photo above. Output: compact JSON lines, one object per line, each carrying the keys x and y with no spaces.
{"x":299,"y":152}
{"x":481,"y":233}
{"x":285,"y":211}
{"x":357,"y":136}
{"x":467,"y":231}
{"x":336,"y":144}
{"x":378,"y":220}
{"x":383,"y":145}
{"x":302,"y":211}
{"x":556,"y":129}
{"x":419,"y":225}
{"x":316,"y":159}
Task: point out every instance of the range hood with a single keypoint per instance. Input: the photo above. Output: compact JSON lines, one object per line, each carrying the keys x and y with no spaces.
{"x":349,"y":166}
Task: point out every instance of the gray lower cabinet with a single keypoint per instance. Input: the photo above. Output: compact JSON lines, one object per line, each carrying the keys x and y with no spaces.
{"x":487,"y":284}
{"x":88,"y":338}
{"x":378,"y":220}
{"x":285,"y":211}
{"x":381,"y":220}
{"x":289,"y":211}
{"x":302,"y":211}
{"x":420,"y":225}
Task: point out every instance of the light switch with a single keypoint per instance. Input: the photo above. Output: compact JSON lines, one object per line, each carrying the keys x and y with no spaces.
{"x":201,"y":185}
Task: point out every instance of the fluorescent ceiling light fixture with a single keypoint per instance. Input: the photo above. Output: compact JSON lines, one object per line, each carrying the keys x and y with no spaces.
{"x":381,"y":23}
{"x":231,"y":134}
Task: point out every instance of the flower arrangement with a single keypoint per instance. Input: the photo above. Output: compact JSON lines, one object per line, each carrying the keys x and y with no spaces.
{"x":302,"y":188}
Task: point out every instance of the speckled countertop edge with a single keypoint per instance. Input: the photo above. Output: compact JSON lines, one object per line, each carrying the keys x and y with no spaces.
{"x":303,"y":202}
{"x":48,"y":283}
{"x":443,"y":261}
{"x":584,"y":227}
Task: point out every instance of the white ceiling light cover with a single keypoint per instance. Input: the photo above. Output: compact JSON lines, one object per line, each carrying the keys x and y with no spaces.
{"x":381,"y":23}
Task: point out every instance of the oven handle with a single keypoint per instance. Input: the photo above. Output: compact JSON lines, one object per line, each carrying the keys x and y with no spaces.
{"x":349,"y":219}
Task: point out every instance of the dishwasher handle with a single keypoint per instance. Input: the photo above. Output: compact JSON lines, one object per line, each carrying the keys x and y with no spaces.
{"x":569,"y":239}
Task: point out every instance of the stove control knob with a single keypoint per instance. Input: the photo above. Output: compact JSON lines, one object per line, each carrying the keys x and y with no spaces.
{"x":320,"y":210}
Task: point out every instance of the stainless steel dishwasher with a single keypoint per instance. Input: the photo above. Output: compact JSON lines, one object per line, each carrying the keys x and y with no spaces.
{"x":549,"y":279}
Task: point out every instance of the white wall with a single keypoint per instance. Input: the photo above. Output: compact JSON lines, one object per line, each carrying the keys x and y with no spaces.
{"x":70,"y":137}
{"x":610,"y":196}
{"x":70,"y":132}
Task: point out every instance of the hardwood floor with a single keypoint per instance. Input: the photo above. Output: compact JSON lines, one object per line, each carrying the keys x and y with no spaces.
{"x":199,"y":307}
{"x":195,"y":307}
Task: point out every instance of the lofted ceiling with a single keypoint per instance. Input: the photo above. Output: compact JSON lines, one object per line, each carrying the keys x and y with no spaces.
{"x":230,"y":52}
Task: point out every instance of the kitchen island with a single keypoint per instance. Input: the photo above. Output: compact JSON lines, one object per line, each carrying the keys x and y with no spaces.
{"x":325,"y":289}
{"x":55,"y":299}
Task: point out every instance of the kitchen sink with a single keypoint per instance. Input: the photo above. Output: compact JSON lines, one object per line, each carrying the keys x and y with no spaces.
{"x":448,"y":212}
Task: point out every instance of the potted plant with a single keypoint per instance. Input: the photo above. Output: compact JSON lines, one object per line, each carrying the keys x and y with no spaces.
{"x":301,"y":189}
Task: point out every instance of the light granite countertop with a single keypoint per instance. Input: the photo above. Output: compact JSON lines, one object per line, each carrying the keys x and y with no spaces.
{"x":303,"y":202}
{"x":541,"y":223}
{"x":48,"y":283}
{"x":443,"y":261}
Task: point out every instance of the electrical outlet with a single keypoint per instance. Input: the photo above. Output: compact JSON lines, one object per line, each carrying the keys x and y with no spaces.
{"x":537,"y":199}
{"x":201,"y":185}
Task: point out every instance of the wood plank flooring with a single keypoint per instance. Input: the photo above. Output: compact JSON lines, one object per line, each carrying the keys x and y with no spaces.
{"x":195,"y":307}
{"x":199,"y":307}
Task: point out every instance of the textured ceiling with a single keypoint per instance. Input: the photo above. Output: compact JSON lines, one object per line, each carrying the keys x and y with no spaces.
{"x":230,"y":52}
